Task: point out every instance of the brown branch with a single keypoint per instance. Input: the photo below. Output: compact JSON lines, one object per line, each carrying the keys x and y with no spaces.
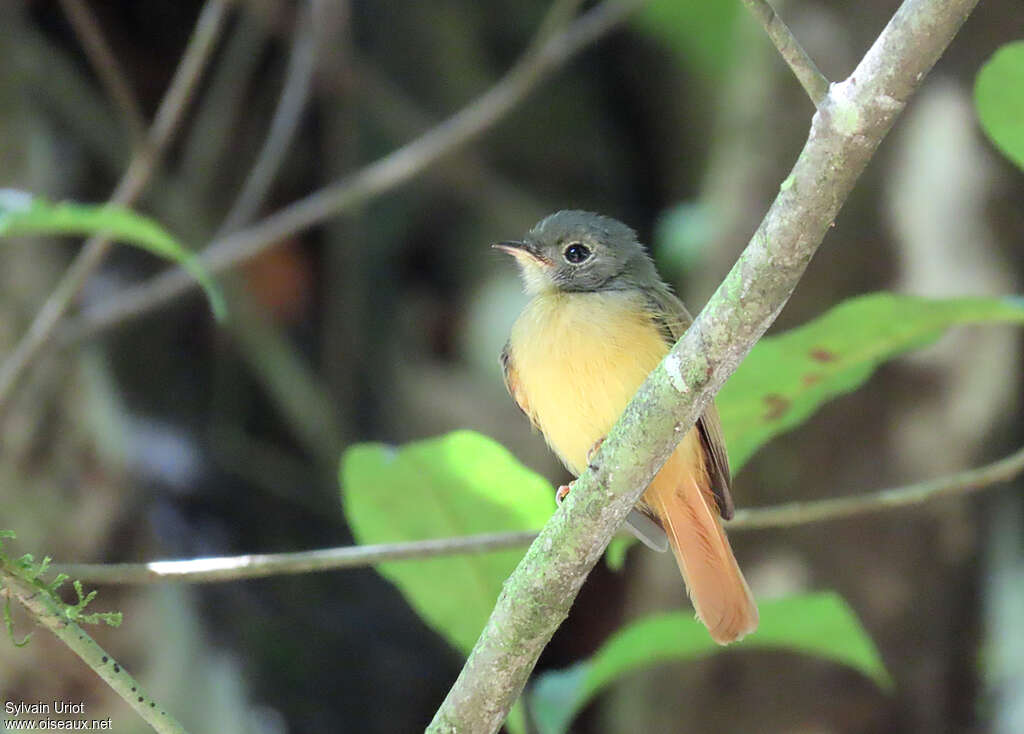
{"x":140,"y":169}
{"x":383,"y":175}
{"x":291,"y":104}
{"x":106,"y":66}
{"x":802,"y":65}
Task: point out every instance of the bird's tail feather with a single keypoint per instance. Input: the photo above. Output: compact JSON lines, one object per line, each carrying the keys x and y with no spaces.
{"x":683,"y":502}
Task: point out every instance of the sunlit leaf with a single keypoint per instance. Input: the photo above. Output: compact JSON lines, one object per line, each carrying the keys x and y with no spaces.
{"x":786,"y":378}
{"x":816,"y":624}
{"x":23,"y":214}
{"x":999,"y":98}
{"x":460,"y":484}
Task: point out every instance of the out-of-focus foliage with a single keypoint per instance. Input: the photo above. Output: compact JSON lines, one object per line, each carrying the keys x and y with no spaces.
{"x":999,"y":97}
{"x":699,"y":32}
{"x":23,"y":214}
{"x":682,"y":235}
{"x":819,"y":624}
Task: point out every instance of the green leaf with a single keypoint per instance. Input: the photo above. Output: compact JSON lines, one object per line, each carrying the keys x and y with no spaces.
{"x":23,"y":214}
{"x":615,"y":553}
{"x":999,"y":98}
{"x":786,"y":378}
{"x":701,"y":33}
{"x":460,"y":484}
{"x":818,"y":624}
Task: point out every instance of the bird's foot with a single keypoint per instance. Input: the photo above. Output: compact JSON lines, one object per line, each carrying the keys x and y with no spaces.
{"x":562,"y":492}
{"x":593,"y":450}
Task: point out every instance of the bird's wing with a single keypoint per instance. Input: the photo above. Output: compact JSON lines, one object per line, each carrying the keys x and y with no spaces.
{"x":673,"y":319}
{"x":508,"y":370}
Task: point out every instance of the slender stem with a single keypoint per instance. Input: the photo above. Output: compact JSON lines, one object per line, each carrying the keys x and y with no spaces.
{"x":140,"y":169}
{"x":804,"y":513}
{"x":383,"y":175}
{"x":234,"y":568}
{"x":802,"y":65}
{"x":285,"y":121}
{"x":106,"y":65}
{"x":48,"y":613}
{"x":849,"y":125}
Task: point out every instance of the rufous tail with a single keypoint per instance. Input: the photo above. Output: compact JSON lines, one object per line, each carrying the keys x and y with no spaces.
{"x":681,"y":496}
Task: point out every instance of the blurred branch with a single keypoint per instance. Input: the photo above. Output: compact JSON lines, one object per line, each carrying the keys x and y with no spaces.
{"x":803,"y":513}
{"x":845,"y":132}
{"x":384,"y":174}
{"x":233,"y":568}
{"x":46,"y":71}
{"x":49,"y":612}
{"x":558,"y":17}
{"x":467,"y":171}
{"x":290,"y":106}
{"x":141,"y":167}
{"x":219,"y":118}
{"x":803,"y":66}
{"x":106,"y":65}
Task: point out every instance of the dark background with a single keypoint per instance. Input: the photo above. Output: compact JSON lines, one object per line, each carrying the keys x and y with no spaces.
{"x":171,"y":437}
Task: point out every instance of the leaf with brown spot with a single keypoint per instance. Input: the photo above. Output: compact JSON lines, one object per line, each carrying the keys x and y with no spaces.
{"x":777,"y":407}
{"x":795,"y":373}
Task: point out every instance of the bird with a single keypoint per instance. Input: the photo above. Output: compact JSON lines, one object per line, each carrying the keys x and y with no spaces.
{"x":598,"y":321}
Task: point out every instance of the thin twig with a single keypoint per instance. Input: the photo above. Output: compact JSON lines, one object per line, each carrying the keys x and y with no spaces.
{"x":106,"y":66}
{"x":851,"y":122}
{"x":49,"y":614}
{"x":384,"y":174}
{"x":140,"y":169}
{"x":233,"y":568}
{"x":804,"y":513}
{"x":811,"y":79}
{"x":290,"y":106}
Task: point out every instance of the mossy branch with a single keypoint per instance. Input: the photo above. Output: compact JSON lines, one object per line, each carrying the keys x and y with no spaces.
{"x":847,"y":128}
{"x":21,"y":579}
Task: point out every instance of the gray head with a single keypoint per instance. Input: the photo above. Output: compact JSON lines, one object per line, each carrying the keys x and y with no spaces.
{"x":581,"y":251}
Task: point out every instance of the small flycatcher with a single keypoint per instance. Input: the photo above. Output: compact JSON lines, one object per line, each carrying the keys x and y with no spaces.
{"x":599,"y":321}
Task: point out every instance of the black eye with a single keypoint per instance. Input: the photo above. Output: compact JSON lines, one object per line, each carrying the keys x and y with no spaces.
{"x":576,"y":253}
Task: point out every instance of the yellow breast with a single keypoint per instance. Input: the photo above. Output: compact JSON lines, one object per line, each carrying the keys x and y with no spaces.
{"x":579,"y":358}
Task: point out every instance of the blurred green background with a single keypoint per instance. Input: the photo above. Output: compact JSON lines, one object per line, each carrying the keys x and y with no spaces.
{"x":169,"y":436}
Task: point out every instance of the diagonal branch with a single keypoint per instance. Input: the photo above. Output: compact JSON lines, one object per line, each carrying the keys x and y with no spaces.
{"x":847,"y":128}
{"x":287,"y":115}
{"x":802,"y":65}
{"x":140,"y":169}
{"x":234,"y":568}
{"x":383,"y":175}
{"x":106,"y":65}
{"x":48,"y":612}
